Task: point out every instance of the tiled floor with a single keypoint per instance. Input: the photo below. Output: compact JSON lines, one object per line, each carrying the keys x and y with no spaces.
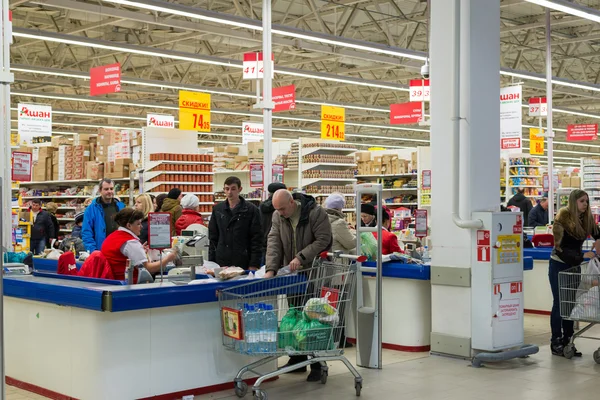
{"x":418,"y":376}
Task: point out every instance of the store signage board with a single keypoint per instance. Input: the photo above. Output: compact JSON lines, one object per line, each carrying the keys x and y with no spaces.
{"x":257,"y":175}
{"x":511,"y":116}
{"x":105,"y":79}
{"x":333,"y":122}
{"x":284,"y":98}
{"x":35,"y":120}
{"x":253,"y":66}
{"x":426,"y":179}
{"x":277,"y":173}
{"x":21,"y":166}
{"x":536,"y":142}
{"x":538,"y":107}
{"x":421,"y":223}
{"x":420,"y":90}
{"x":546,"y":182}
{"x":160,"y":121}
{"x":252,"y":132}
{"x":582,"y":132}
{"x":406,"y":113}
{"x":194,"y":111}
{"x":159,"y":230}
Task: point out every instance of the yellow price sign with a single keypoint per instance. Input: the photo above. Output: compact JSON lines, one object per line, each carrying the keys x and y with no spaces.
{"x":332,"y":123}
{"x":194,"y":111}
{"x":536,"y":143}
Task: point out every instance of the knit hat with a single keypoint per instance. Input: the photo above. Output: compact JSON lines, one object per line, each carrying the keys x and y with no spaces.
{"x":190,"y":201}
{"x":174,"y":194}
{"x":79,"y":217}
{"x":335,"y":201}
{"x":273,"y":187}
{"x":367,"y":209}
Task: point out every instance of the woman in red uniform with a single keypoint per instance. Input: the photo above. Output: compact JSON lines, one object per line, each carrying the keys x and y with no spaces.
{"x":124,"y":244}
{"x":389,"y":241}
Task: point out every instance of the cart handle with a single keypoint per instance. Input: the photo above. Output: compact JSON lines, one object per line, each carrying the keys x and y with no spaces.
{"x":339,"y":254}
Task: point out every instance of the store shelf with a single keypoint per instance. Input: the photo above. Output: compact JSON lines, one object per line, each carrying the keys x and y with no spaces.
{"x":527,"y":166}
{"x":329,"y":194}
{"x":65,"y":219}
{"x":71,"y":182}
{"x":184,"y":192}
{"x":206,"y":213}
{"x":527,"y":186}
{"x":312,"y":181}
{"x":154,"y":164}
{"x":54,"y":197}
{"x":401,"y":204}
{"x":387,"y":176}
{"x":525,"y":176}
{"x":326,"y":150}
{"x":309,"y":166}
{"x":400,"y":189}
{"x":179,"y":183}
{"x":153,"y":174}
{"x":59,"y":208}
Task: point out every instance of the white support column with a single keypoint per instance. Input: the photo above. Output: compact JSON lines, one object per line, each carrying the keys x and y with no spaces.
{"x":6,"y":78}
{"x":267,"y":95}
{"x":479,"y":110}
{"x":549,"y":131}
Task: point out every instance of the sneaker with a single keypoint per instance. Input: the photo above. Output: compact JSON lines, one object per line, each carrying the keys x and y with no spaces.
{"x":314,"y":376}
{"x":577,"y":352}
{"x":557,"y":349}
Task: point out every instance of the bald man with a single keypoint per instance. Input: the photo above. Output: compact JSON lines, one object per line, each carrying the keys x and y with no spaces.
{"x":300,"y":232}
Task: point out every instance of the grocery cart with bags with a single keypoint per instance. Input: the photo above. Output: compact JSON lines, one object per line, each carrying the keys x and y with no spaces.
{"x":579,"y":294}
{"x":301,"y":314}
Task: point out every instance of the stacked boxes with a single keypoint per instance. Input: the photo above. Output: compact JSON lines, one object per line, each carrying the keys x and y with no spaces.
{"x":225,"y":157}
{"x":119,"y":151}
{"x":42,"y":164}
{"x":256,"y":151}
{"x":387,"y":164}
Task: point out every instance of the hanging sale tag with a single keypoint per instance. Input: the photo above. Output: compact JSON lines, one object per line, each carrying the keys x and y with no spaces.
{"x":536,"y":143}
{"x":194,"y":111}
{"x":332,"y":123}
{"x":538,"y":107}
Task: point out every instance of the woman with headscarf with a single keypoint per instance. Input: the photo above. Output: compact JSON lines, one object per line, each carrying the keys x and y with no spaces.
{"x":344,"y":239}
{"x":190,"y":214}
{"x":172,"y":206}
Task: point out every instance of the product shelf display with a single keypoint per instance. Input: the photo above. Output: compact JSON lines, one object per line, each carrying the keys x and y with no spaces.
{"x":590,"y":179}
{"x":523,"y":172}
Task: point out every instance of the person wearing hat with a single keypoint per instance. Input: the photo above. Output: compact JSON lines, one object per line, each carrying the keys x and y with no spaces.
{"x":266,"y":213}
{"x":538,"y":216}
{"x":344,"y":239}
{"x":389,"y":241}
{"x":76,"y":233}
{"x":368,"y":216}
{"x":172,"y":205}
{"x":190,"y":214}
{"x":99,"y":216}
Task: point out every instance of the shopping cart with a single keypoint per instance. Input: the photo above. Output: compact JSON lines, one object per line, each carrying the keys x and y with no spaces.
{"x":579,"y":296}
{"x":301,"y":314}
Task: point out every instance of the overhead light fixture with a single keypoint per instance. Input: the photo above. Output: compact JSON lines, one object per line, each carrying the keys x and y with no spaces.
{"x":569,"y":7}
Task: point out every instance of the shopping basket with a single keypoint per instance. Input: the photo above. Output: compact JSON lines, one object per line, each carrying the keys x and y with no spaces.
{"x":301,"y":314}
{"x":579,"y":296}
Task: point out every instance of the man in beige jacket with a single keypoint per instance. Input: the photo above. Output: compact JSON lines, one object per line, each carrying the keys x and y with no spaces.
{"x":300,"y":232}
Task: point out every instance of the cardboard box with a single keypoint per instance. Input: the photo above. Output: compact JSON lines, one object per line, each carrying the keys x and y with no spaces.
{"x":575,"y":182}
{"x":219,"y":149}
{"x":122,"y":162}
{"x":256,"y":150}
{"x":363,"y":156}
{"x":59,"y":141}
{"x":232,"y":150}
{"x":239,"y":159}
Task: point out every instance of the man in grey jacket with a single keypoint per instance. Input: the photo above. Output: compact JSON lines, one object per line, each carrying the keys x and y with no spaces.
{"x":300,"y":232}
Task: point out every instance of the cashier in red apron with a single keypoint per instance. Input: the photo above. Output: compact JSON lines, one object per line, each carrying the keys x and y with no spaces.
{"x":124,"y":244}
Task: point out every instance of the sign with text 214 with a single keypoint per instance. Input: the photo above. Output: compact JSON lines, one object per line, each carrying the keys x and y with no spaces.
{"x":105,"y":79}
{"x":194,"y":111}
{"x":332,"y":123}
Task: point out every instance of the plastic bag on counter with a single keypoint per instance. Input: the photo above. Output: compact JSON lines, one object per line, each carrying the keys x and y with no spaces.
{"x":54,"y":254}
{"x":313,"y":335}
{"x":368,"y":245}
{"x":286,"y":338}
{"x":321,"y":310}
{"x":228,"y":272}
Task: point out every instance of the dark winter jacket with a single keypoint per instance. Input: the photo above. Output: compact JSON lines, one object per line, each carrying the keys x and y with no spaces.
{"x":43,"y":228}
{"x":76,"y":233}
{"x":235,"y":235}
{"x":173,"y":207}
{"x":144,"y":233}
{"x":538,"y":217}
{"x":568,"y":247}
{"x":519,"y":200}
{"x":56,"y":227}
{"x":313,"y":235}
{"x":266,"y":216}
{"x":93,"y":230}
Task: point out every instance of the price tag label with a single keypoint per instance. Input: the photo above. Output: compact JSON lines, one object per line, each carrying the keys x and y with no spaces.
{"x":536,"y":142}
{"x":253,"y":66}
{"x":194,"y":111}
{"x":333,"y":123}
{"x":538,"y":107}
{"x":420,"y":90}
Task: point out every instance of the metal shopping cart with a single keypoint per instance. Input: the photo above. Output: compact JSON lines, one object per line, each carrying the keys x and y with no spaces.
{"x":579,"y":296}
{"x":301,"y":314}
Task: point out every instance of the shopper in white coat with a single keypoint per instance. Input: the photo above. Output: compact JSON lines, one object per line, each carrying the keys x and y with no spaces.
{"x":344,"y":239}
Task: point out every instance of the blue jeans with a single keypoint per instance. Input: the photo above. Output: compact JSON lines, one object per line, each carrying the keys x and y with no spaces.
{"x":38,"y":246}
{"x":562,"y":330}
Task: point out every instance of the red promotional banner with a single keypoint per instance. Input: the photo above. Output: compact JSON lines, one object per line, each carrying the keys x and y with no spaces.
{"x":105,"y":79}
{"x":284,"y":98}
{"x":21,"y":166}
{"x":406,"y":113}
{"x":581,"y":132}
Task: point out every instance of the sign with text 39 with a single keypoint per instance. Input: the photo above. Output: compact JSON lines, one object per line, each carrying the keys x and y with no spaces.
{"x":332,"y":123}
{"x":194,"y":111}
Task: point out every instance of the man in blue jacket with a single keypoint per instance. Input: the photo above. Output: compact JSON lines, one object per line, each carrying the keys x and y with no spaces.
{"x":538,"y":216}
{"x":99,"y":216}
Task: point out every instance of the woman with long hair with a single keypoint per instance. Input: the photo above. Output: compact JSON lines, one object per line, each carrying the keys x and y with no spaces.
{"x":144,"y":204}
{"x":573,"y":225}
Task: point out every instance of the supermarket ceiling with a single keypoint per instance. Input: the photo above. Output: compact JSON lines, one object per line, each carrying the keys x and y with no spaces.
{"x":319,"y":46}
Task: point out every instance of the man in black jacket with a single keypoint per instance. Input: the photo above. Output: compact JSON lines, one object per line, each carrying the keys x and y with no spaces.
{"x":235,"y":231}
{"x":42,"y":228}
{"x":266,"y":213}
{"x":523,"y":203}
{"x":539,"y":215}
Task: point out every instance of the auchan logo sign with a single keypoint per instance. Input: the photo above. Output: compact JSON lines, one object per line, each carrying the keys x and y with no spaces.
{"x":252,"y":132}
{"x":25,"y":111}
{"x":35,"y":120}
{"x":160,"y":121}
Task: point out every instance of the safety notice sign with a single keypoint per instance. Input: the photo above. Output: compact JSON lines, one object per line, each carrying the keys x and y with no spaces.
{"x":509,"y":309}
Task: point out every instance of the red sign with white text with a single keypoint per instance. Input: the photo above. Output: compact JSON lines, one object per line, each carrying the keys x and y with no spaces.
{"x":483,"y":238}
{"x":406,"y":113}
{"x":510,"y":143}
{"x":284,"y":98}
{"x":105,"y":79}
{"x":581,"y":132}
{"x":484,"y":253}
{"x":21,"y":166}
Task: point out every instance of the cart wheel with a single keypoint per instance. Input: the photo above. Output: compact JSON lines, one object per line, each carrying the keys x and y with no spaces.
{"x":260,"y":395}
{"x":358,"y":387}
{"x":569,"y":351}
{"x":324,"y":375}
{"x":597,"y":356}
{"x":241,"y":388}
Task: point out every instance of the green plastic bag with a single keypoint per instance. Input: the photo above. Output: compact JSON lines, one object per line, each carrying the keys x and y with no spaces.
{"x":286,"y":336}
{"x":368,"y":245}
{"x":313,"y":335}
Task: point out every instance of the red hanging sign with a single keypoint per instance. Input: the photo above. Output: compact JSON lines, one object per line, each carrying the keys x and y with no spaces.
{"x":105,"y":79}
{"x":257,"y":175}
{"x":284,"y":98}
{"x":421,"y":223}
{"x":581,"y":132}
{"x":21,"y":166}
{"x":406,"y":113}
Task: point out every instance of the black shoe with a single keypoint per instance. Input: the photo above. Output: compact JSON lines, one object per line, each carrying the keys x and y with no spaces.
{"x":557,"y":349}
{"x":314,"y":376}
{"x":576,"y":353}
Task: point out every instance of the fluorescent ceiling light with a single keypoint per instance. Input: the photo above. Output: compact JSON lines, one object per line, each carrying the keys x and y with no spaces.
{"x":342,"y":80}
{"x":569,"y":8}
